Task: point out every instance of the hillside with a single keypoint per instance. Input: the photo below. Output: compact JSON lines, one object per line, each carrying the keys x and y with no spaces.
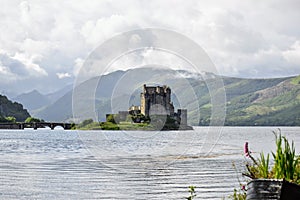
{"x":61,"y":110}
{"x":12,"y":109}
{"x":278,"y":105}
{"x":32,"y":100}
{"x":248,"y":101}
{"x":54,"y":96}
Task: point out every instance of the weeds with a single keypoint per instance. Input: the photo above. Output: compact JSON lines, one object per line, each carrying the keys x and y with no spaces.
{"x":238,"y":195}
{"x":264,"y":165}
{"x":241,"y":193}
{"x":192,"y":193}
{"x":286,"y":162}
{"x":286,"y":165}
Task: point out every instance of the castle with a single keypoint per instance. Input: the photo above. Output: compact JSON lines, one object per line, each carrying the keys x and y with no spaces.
{"x":156,"y":101}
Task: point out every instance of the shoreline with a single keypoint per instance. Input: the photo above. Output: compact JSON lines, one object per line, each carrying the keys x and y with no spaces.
{"x":131,"y":127}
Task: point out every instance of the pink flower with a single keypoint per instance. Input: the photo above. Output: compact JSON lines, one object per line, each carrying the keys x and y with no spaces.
{"x":246,"y":150}
{"x":243,"y":188}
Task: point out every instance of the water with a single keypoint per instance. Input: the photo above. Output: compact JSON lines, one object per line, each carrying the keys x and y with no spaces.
{"x":60,"y":164}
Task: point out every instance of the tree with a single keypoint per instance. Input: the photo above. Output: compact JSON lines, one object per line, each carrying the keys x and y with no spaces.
{"x":32,"y":119}
{"x":11,"y":119}
{"x":110,"y":118}
{"x":7,"y":119}
{"x":85,"y":123}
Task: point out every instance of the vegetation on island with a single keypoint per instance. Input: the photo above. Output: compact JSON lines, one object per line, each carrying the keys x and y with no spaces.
{"x":89,"y":124}
{"x":7,"y":119}
{"x":32,"y":120}
{"x":132,"y":122}
{"x":11,"y":112}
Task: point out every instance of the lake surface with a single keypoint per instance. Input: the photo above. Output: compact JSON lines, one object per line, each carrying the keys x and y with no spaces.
{"x":60,"y":164}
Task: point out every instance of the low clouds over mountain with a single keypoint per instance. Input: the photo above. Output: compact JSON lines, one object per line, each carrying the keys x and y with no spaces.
{"x":44,"y":43}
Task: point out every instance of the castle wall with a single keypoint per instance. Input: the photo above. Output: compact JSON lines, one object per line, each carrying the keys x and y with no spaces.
{"x":182,"y":115}
{"x":157,"y":100}
{"x":123,"y":115}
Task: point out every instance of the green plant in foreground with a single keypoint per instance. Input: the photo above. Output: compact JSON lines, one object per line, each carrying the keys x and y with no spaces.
{"x":260,"y":169}
{"x":263,"y":165}
{"x":241,"y":193}
{"x":286,"y":165}
{"x":286,"y":162}
{"x":238,"y":195}
{"x":192,"y":193}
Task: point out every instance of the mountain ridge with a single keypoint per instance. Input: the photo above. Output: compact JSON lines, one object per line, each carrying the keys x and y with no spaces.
{"x":263,"y":102}
{"x":32,"y":100}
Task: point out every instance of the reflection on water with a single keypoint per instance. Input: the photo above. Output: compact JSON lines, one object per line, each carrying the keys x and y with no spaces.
{"x":59,"y":164}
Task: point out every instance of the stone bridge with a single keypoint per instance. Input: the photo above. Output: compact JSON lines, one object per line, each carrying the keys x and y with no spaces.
{"x":36,"y":125}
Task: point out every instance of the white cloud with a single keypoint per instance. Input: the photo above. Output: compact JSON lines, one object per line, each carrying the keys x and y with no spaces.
{"x":78,"y":64}
{"x":243,"y":38}
{"x":292,"y":55}
{"x":30,"y":63}
{"x":25,"y":13}
{"x":63,"y":75}
{"x":6,"y":76}
{"x":41,"y":47}
{"x":97,"y":31}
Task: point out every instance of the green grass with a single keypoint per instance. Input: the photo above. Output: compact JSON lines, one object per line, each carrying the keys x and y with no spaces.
{"x":259,"y":110}
{"x":207,"y":106}
{"x":286,"y":162}
{"x":296,"y":80}
{"x":288,"y":97}
{"x":238,"y":195}
{"x":114,"y":126}
{"x":282,"y":110}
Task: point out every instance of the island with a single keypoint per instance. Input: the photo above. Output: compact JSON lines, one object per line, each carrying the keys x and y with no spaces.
{"x":155,"y":112}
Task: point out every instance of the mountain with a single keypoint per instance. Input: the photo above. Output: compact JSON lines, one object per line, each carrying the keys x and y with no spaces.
{"x":54,"y":96}
{"x":12,"y":109}
{"x":61,"y":110}
{"x":273,"y":101}
{"x":32,"y":100}
{"x":276,"y":105}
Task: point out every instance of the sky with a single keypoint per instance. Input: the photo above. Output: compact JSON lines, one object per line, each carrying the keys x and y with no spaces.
{"x":43,"y":44}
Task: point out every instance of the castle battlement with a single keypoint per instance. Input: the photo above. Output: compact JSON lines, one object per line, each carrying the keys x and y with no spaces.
{"x":156,"y":101}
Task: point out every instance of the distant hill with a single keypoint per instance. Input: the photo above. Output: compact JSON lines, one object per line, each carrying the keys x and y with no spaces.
{"x":54,"y":96}
{"x":32,"y":100}
{"x":12,"y":109}
{"x":276,"y":104}
{"x":250,"y":102}
{"x":61,"y":110}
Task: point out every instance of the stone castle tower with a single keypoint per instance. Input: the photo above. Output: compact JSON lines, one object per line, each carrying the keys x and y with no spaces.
{"x":156,"y":101}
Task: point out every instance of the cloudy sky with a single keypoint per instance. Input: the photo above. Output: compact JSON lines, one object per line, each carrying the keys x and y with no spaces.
{"x":44,"y":43}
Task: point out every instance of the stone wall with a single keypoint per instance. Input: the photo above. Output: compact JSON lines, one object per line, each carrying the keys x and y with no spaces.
{"x":156,"y":100}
